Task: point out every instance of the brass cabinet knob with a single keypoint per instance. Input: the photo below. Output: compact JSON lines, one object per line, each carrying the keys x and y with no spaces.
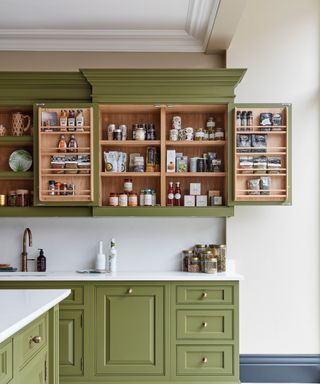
{"x":35,"y":339}
{"x":204,"y":324}
{"x":204,"y":360}
{"x":204,"y":295}
{"x":130,"y":290}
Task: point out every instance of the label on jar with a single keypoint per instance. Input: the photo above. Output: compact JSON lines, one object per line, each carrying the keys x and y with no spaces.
{"x":219,"y":135}
{"x":133,"y":200}
{"x":199,"y":134}
{"x":123,"y":200}
{"x":114,"y":201}
{"x":148,"y":200}
{"x":211,"y":135}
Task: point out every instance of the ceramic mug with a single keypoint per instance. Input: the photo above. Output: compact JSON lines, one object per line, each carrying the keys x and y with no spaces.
{"x":3,"y":130}
{"x":18,"y":123}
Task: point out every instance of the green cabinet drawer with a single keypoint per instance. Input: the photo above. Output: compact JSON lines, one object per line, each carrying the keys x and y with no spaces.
{"x":6,"y":362}
{"x":70,"y":342}
{"x":204,"y":360}
{"x":130,"y":330}
{"x":207,"y":324}
{"x":31,"y":339}
{"x":205,"y":294}
{"x":36,"y":371}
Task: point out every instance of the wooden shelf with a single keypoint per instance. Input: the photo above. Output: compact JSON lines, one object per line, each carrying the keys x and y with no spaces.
{"x":195,"y":174}
{"x":129,"y":143}
{"x":59,"y":127}
{"x":262,"y":174}
{"x":16,"y":140}
{"x":259,"y":126}
{"x":64,"y":153}
{"x":10,"y":175}
{"x":261,"y":132}
{"x":261,"y":153}
{"x":130,"y":174}
{"x":65,"y":133}
{"x":66,"y":175}
{"x":193,"y":143}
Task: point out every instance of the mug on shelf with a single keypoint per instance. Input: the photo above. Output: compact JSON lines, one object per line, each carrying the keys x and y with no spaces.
{"x":20,"y":123}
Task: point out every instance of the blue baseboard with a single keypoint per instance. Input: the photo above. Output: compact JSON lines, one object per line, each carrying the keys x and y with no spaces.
{"x":280,"y":368}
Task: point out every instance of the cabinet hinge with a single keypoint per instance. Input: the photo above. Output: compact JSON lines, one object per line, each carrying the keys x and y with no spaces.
{"x":45,"y":371}
{"x":81,"y":320}
{"x":81,"y":364}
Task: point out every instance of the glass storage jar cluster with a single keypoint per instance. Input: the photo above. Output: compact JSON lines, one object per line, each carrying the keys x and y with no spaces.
{"x":204,"y":258}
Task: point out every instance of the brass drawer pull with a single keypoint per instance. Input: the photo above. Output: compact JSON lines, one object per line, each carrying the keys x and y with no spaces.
{"x":204,"y":360}
{"x":130,"y":291}
{"x":204,"y":324}
{"x":204,"y":295}
{"x":35,"y":339}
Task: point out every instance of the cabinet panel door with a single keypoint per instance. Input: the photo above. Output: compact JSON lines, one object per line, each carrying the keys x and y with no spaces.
{"x":71,"y":342}
{"x":129,"y":330}
{"x":6,"y":363}
{"x":35,"y":371}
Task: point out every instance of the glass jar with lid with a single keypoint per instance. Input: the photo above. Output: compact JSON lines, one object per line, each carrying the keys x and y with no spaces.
{"x":194,"y":264}
{"x":199,"y":134}
{"x":12,"y":197}
{"x":219,"y":252}
{"x":186,"y":254}
{"x":209,"y":263}
{"x":199,"y":248}
{"x":140,"y":133}
{"x":22,"y":198}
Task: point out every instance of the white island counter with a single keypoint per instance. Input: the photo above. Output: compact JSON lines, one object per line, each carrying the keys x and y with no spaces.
{"x":21,"y":306}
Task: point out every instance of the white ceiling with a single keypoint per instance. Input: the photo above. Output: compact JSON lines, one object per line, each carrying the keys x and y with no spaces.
{"x":107,"y":25}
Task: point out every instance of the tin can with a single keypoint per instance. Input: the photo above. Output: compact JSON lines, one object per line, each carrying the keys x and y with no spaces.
{"x":193,"y":164}
{"x":124,"y":131}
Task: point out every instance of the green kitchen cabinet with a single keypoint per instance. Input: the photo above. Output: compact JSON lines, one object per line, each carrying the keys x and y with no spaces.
{"x":129,"y":330}
{"x":71,"y":342}
{"x":36,"y":371}
{"x":6,"y":361}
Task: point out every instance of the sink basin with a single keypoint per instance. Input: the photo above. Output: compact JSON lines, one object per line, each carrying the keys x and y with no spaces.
{"x":25,"y":274}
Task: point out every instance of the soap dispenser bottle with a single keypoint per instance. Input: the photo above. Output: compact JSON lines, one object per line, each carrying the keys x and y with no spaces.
{"x":41,"y":262}
{"x":101,"y":259}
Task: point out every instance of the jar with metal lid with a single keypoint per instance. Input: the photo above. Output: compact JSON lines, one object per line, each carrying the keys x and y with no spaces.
{"x":124,"y":131}
{"x":22,"y":198}
{"x":219,"y":134}
{"x":132,"y":199}
{"x":199,"y":248}
{"x":140,"y":133}
{"x":64,"y":189}
{"x":123,"y":200}
{"x":127,"y":185}
{"x":113,"y":199}
{"x":12,"y":197}
{"x":199,"y":134}
{"x":186,"y":254}
{"x":209,"y":263}
{"x":151,"y":132}
{"x":57,"y":188}
{"x":110,"y":129}
{"x":194,"y":264}
{"x":219,"y":252}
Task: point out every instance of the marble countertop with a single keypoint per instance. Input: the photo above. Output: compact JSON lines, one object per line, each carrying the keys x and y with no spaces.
{"x":120,"y":276}
{"x":21,"y":306}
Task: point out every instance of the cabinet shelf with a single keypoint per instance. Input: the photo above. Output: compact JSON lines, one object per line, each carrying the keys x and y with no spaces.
{"x":259,"y":126}
{"x":65,"y":133}
{"x":16,"y":140}
{"x":195,"y":174}
{"x":130,"y":174}
{"x":261,"y":132}
{"x":262,"y":174}
{"x":193,"y":143}
{"x":261,"y":153}
{"x":129,"y":143}
{"x":10,"y":175}
{"x":66,"y":175}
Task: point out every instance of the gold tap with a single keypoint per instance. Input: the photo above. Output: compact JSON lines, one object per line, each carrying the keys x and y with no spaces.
{"x":27,"y":233}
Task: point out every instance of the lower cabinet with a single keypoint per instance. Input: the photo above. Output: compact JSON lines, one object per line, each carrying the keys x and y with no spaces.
{"x":6,"y":361}
{"x":35,"y":371}
{"x":71,"y":342}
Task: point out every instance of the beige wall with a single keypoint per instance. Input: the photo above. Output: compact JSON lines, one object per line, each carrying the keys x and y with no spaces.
{"x":72,"y":61}
{"x":277,"y":249}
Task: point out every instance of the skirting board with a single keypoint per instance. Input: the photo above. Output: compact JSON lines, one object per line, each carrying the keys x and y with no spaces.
{"x":280,"y":368}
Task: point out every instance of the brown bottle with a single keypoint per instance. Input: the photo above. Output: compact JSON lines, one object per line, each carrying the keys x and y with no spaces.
{"x":41,"y":262}
{"x":73,"y":144}
{"x":62,"y":144}
{"x":170,"y":195}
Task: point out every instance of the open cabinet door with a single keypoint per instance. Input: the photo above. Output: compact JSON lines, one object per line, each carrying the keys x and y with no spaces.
{"x":64,"y":176}
{"x":261,"y":154}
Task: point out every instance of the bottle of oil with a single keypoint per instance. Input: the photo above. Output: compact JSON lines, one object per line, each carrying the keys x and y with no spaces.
{"x":73,"y":144}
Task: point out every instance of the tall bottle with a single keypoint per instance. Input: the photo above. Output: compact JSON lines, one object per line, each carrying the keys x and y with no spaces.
{"x":63,"y":120}
{"x":73,"y":144}
{"x":113,"y":257}
{"x":170,"y":198}
{"x":100,"y":259}
{"x":71,"y":120}
{"x":79,"y":119}
{"x":177,"y":194}
{"x":62,"y":144}
{"x":41,"y":262}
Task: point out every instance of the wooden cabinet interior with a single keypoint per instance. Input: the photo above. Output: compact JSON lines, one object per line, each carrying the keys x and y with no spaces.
{"x":49,"y":136}
{"x":276,"y":150}
{"x":194,"y":116}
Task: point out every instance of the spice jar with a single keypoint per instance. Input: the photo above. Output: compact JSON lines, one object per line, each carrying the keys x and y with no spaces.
{"x":127,"y":185}
{"x":199,"y":134}
{"x":12,"y":197}
{"x":132,"y":199}
{"x":52,"y":188}
{"x":110,"y":129}
{"x":123,"y":200}
{"x":71,"y":189}
{"x":194,"y":264}
{"x":199,"y":248}
{"x":209,"y":263}
{"x":113,"y":199}
{"x":219,"y":252}
{"x":219,"y":134}
{"x":57,"y":188}
{"x":22,"y":198}
{"x":186,"y":254}
{"x":151,"y":132}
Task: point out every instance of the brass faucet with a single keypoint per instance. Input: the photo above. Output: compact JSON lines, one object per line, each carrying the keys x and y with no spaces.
{"x":27,"y":233}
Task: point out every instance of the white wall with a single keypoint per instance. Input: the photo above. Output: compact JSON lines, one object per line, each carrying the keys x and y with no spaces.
{"x":144,"y":244}
{"x":277,"y":249}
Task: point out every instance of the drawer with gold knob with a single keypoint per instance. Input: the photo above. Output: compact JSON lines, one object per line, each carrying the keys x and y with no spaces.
{"x":32,"y":339}
{"x":204,"y":360}
{"x":205,"y":324}
{"x":205,"y":294}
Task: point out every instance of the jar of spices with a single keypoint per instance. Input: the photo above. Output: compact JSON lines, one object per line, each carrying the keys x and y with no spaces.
{"x":199,"y":134}
{"x":199,"y":248}
{"x":219,"y":252}
{"x":113,"y":199}
{"x":219,"y":135}
{"x":64,"y":189}
{"x":140,"y":133}
{"x":52,"y":188}
{"x":148,"y":198}
{"x":22,"y":198}
{"x":127,"y":185}
{"x":123,"y":200}
{"x":110,"y":129}
{"x":132,"y":199}
{"x":209,"y":263}
{"x":194,"y":264}
{"x":186,"y":254}
{"x":12,"y":197}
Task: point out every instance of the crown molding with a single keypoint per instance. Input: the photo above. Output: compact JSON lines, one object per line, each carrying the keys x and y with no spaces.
{"x":98,"y":40}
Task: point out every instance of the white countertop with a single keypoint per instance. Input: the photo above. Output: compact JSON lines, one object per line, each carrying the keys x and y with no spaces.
{"x":21,"y":306}
{"x":120,"y":276}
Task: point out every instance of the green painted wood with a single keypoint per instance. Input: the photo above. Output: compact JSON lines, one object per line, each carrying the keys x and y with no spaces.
{"x":31,"y":87}
{"x":16,"y":139}
{"x":10,"y":175}
{"x":164,"y":211}
{"x":54,"y":345}
{"x":6,"y":362}
{"x":71,"y":342}
{"x":45,"y":212}
{"x":205,"y":294}
{"x":35,"y":371}
{"x":205,"y":324}
{"x":190,"y":360}
{"x":163,"y":85}
{"x":129,"y":330}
